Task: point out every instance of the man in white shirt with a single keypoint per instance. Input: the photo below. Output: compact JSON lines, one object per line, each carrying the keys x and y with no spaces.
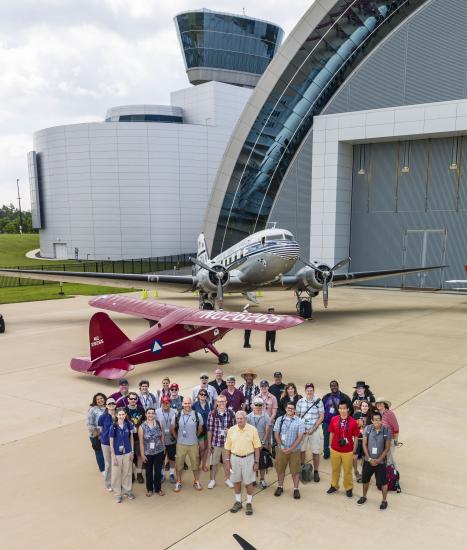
{"x":311,"y":410}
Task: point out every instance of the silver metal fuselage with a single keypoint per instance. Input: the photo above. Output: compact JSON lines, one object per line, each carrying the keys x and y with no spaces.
{"x":262,"y":258}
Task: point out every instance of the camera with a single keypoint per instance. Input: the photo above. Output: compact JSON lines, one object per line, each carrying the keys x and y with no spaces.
{"x":343,"y":441}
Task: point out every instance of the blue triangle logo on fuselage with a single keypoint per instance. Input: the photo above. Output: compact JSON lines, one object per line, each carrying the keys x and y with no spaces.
{"x":157,"y":346}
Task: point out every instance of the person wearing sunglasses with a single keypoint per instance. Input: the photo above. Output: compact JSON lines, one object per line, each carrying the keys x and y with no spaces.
{"x":136,"y":416}
{"x":176,"y":400}
{"x":203,"y":407}
{"x":151,"y":443}
{"x":204,"y":385}
{"x":105,"y":422}
{"x":262,"y":422}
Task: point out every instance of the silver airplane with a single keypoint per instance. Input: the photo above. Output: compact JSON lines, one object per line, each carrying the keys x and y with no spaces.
{"x":261,"y":260}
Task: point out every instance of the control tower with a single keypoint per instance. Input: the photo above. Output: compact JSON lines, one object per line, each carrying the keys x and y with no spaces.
{"x":234,"y":49}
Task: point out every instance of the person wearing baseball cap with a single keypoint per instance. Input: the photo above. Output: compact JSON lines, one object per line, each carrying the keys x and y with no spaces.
{"x":123,"y":389}
{"x":204,"y":385}
{"x":278,"y":387}
{"x":165,"y":414}
{"x":235,"y":398}
{"x":106,"y":420}
{"x":176,"y":400}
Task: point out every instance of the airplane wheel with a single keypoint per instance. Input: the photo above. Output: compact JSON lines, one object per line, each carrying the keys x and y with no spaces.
{"x":207,"y":305}
{"x":223,"y":359}
{"x":304,"y":309}
{"x":2,"y":324}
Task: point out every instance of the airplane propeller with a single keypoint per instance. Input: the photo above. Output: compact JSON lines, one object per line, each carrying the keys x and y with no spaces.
{"x":327,"y":276}
{"x":220,"y":274}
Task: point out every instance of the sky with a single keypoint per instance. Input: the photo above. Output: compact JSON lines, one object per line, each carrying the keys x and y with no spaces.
{"x":68,"y":61}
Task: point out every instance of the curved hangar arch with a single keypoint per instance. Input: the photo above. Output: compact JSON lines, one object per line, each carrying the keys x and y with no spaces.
{"x":328,"y":43}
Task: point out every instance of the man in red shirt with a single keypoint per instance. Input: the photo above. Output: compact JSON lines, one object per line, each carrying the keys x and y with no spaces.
{"x":343,"y":440}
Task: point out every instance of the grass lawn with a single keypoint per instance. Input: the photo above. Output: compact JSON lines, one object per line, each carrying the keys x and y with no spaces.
{"x":51,"y":292}
{"x":13,"y":248}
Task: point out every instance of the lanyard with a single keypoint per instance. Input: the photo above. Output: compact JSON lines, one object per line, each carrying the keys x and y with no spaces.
{"x":257,"y":421}
{"x":223,"y":421}
{"x":343,"y":429}
{"x":289,"y":423}
{"x":146,"y":400}
{"x":185,"y":422}
{"x":166,"y":418}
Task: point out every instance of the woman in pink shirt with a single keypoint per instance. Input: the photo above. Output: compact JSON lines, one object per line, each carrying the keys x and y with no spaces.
{"x":389,"y":421}
{"x":270,"y":402}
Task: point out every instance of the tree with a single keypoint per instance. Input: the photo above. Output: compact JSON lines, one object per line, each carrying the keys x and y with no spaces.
{"x":9,"y":220}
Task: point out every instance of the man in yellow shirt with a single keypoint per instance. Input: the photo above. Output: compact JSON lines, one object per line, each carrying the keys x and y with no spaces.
{"x":242,"y":447}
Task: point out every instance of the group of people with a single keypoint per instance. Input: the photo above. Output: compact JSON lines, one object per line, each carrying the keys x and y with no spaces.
{"x":246,"y":429}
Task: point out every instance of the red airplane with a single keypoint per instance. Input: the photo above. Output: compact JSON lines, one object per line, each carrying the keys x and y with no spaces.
{"x":177,"y":331}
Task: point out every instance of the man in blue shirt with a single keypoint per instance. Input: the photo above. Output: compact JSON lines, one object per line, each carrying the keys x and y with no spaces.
{"x":331,"y":408}
{"x":288,"y":434}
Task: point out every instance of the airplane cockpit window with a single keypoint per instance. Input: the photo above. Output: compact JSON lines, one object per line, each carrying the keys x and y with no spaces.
{"x":288,"y":237}
{"x":275,"y":237}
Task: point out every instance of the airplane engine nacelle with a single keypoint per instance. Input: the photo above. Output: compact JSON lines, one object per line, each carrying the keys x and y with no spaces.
{"x":314,"y":279}
{"x":209,"y":280}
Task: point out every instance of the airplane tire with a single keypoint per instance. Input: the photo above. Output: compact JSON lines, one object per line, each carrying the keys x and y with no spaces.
{"x":208,"y":305}
{"x":223,"y":359}
{"x":305,"y":309}
{"x":2,"y":324}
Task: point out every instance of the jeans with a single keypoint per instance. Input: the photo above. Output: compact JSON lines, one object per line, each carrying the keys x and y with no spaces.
{"x":326,"y":440}
{"x":154,"y":472}
{"x":99,"y":458}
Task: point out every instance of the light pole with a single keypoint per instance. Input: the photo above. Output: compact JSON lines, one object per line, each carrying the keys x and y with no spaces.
{"x":20,"y":213}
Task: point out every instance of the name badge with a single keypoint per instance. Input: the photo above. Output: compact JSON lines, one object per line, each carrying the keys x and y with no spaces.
{"x":152,"y":445}
{"x":184,"y":433}
{"x":374,"y":451}
{"x":222,"y":433}
{"x":167,"y":431}
{"x":332,"y":410}
{"x":121,"y":448}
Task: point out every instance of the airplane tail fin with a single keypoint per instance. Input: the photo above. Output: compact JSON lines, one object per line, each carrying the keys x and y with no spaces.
{"x":104,"y":335}
{"x":202,"y":254}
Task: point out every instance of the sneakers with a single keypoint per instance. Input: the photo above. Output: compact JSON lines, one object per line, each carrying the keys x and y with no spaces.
{"x":249,"y":509}
{"x":163,"y":478}
{"x":236,"y":507}
{"x":331,"y":490}
{"x":212,"y":484}
{"x":172,"y":478}
{"x":229,"y":483}
{"x":263,"y":483}
{"x":119,"y":500}
{"x":178,"y":487}
{"x":361,"y":500}
{"x":246,"y":346}
{"x":383,"y":505}
{"x":278,"y":492}
{"x":197,"y":486}
{"x":109,"y":488}
{"x":139,"y":478}
{"x":349,"y":493}
{"x":130,"y":496}
{"x":296,"y":494}
{"x":316,"y":476}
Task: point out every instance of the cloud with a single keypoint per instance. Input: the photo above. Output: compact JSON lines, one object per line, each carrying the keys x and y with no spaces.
{"x":64,"y":62}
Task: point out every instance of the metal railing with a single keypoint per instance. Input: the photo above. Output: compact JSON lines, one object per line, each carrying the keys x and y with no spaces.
{"x":140,"y":265}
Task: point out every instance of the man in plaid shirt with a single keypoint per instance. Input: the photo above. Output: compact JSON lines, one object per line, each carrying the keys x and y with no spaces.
{"x":219,"y":421}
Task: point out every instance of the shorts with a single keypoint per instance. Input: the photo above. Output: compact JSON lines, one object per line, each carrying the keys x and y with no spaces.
{"x":190,"y":451}
{"x":380,"y":473}
{"x":217,"y":453}
{"x":291,"y":459}
{"x":312,"y":442}
{"x":170,"y":451}
{"x":203,"y":437}
{"x":242,"y":469}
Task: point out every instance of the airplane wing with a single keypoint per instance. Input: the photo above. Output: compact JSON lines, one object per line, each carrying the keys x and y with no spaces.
{"x":150,"y":309}
{"x":292,"y":282}
{"x":119,"y":280}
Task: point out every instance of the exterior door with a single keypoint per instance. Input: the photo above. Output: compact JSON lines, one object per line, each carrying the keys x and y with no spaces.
{"x":423,"y":248}
{"x":60,"y":251}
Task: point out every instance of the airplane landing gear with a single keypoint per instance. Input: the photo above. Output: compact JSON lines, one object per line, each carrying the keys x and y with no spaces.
{"x":223,"y":358}
{"x":206,"y":302}
{"x":305,"y":305}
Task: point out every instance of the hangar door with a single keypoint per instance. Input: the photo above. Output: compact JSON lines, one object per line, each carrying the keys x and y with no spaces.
{"x":424,"y":248}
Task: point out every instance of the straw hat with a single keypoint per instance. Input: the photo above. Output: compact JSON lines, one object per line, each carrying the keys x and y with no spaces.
{"x":383,"y":400}
{"x":248,"y":371}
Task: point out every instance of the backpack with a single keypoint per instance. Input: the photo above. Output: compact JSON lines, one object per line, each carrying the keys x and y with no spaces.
{"x":393,"y":477}
{"x":177,"y":421}
{"x":265,"y":459}
{"x":306,"y":473}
